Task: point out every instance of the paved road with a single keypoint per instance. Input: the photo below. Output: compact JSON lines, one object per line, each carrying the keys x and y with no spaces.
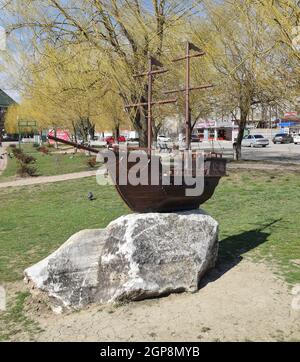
{"x":287,"y":153}
{"x":274,"y":153}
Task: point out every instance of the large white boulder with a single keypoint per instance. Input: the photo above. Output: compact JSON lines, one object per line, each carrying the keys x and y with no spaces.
{"x":137,"y":256}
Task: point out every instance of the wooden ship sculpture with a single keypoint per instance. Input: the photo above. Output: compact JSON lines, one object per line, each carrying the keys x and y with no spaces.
{"x":161,"y":196}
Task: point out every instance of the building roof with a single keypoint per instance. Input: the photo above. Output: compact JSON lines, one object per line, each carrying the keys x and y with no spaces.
{"x":5,"y":99}
{"x":290,"y":119}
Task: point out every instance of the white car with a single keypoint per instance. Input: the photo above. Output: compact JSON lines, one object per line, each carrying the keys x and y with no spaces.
{"x":255,"y":140}
{"x":297,"y":139}
{"x":163,"y":138}
{"x":97,"y":143}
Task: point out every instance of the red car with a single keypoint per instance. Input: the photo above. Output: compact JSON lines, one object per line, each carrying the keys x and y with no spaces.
{"x":110,"y":139}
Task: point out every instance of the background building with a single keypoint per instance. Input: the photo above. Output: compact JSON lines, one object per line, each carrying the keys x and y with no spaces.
{"x":5,"y":102}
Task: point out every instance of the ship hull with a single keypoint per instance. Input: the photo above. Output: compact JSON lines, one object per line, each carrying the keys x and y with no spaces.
{"x":171,"y":197}
{"x":150,"y":198}
{"x":160,"y":197}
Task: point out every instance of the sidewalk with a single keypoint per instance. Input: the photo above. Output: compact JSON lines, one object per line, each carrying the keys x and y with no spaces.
{"x":47,"y":179}
{"x":3,"y":161}
{"x":77,"y":175}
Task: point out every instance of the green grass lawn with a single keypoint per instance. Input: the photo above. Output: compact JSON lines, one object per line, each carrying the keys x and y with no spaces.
{"x":48,"y":165}
{"x":258,"y":214}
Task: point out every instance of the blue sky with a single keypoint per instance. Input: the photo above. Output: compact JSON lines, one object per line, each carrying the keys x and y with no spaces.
{"x":7,"y":77}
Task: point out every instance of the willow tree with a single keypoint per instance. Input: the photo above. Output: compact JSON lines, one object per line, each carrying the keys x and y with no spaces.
{"x":64,"y":89}
{"x":25,"y":111}
{"x":112,"y":114}
{"x":284,"y":15}
{"x":124,"y":33}
{"x":242,"y":49}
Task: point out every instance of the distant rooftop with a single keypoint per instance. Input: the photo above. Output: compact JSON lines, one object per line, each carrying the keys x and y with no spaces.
{"x":291,"y":119}
{"x":5,"y":99}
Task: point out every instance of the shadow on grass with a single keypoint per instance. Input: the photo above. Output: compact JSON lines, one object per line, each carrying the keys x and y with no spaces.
{"x":232,"y":248}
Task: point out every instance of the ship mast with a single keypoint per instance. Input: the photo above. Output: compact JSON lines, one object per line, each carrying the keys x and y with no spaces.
{"x":187,"y":89}
{"x":150,"y":74}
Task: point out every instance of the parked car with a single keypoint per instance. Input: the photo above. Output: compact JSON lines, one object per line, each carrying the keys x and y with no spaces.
{"x":254,"y":141}
{"x":10,"y":138}
{"x":110,"y":139}
{"x":163,"y":138}
{"x":194,"y":138}
{"x":133,"y":140}
{"x":283,"y":138}
{"x":97,"y":143}
{"x":297,"y":139}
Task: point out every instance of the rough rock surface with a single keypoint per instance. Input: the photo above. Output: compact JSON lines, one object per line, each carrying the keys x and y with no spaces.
{"x":137,"y":256}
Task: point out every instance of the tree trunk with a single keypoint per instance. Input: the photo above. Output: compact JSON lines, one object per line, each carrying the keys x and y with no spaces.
{"x":55,"y":135}
{"x":41,"y":136}
{"x":75,"y":132}
{"x":82,"y":129}
{"x":238,"y":143}
{"x":140,"y":125}
{"x":86,"y":128}
{"x":91,"y":129}
{"x":75,"y":135}
{"x":143,"y":137}
{"x":156,"y":129}
{"x":117,"y":131}
{"x":139,"y":118}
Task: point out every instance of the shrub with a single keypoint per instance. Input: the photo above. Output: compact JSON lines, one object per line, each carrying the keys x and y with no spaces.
{"x":44,"y":150}
{"x":27,"y":159}
{"x":91,"y":161}
{"x":25,"y":169}
{"x":36,"y":145}
{"x":23,"y":157}
{"x":17,"y":152}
